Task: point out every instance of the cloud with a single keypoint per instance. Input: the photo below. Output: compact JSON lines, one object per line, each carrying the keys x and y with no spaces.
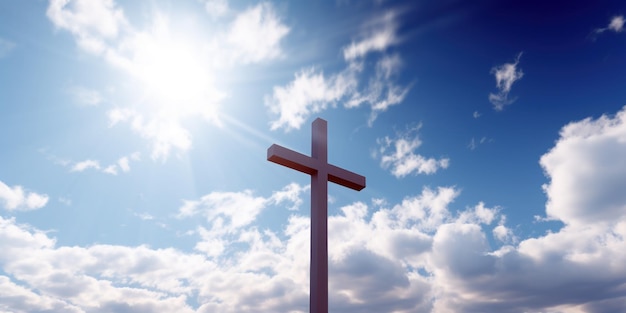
{"x":123,"y":164}
{"x":381,"y":92}
{"x":579,"y":268}
{"x":398,"y":155}
{"x":85,"y":96}
{"x":505,"y":75}
{"x":216,"y":8}
{"x":17,"y":199}
{"x":5,"y":47}
{"x":229,"y":211}
{"x":586,"y":171}
{"x":418,"y":255}
{"x":174,"y":71}
{"x":256,"y":34}
{"x":421,"y":254}
{"x":93,"y":23}
{"x":312,"y":91}
{"x":475,"y":143}
{"x":381,"y":36}
{"x":616,"y":25}
{"x":83,"y":165}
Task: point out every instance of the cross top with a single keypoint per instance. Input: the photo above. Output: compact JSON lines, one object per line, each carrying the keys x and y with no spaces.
{"x":321,"y":172}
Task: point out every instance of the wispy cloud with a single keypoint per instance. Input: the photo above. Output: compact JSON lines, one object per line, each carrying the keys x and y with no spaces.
{"x":381,"y":35}
{"x":312,"y":91}
{"x":84,"y":165}
{"x":122,"y":164}
{"x":398,"y":155}
{"x":474,"y":143}
{"x":85,"y":96}
{"x":616,"y":24}
{"x":505,"y":75}
{"x":17,"y":199}
{"x":6,"y":47}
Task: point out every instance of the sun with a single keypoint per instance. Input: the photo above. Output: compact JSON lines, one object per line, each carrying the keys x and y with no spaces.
{"x":174,"y":73}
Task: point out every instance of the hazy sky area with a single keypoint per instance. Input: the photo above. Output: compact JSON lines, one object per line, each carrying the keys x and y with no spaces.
{"x":134,"y":134}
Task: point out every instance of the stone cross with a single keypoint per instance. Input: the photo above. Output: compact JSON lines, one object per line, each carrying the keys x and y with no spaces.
{"x":321,"y":172}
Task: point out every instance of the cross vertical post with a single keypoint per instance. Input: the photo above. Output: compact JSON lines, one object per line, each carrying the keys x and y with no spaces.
{"x":321,"y":172}
{"x":319,"y":222}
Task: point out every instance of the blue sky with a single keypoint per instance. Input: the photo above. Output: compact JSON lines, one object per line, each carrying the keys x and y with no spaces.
{"x":134,"y":175}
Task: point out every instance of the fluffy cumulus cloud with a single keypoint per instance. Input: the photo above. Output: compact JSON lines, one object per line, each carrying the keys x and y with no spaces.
{"x":398,"y":155}
{"x":424,"y":253}
{"x":17,"y":199}
{"x":173,"y":67}
{"x":313,"y":91}
{"x":587,"y":170}
{"x":505,"y":74}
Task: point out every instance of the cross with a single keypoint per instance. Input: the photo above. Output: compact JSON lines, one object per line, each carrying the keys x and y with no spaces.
{"x":321,"y":172}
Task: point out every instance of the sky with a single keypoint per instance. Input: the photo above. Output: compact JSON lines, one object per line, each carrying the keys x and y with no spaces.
{"x":134,"y":173}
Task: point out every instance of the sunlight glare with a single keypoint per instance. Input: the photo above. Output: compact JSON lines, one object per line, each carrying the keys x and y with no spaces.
{"x":176,"y":78}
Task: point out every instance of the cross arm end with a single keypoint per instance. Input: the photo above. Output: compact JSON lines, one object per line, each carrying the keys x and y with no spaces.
{"x":289,"y":158}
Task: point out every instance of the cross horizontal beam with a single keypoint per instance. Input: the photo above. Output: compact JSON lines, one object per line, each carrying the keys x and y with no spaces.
{"x":308,"y":165}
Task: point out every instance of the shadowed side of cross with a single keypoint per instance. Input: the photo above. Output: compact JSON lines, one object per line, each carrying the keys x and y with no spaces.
{"x":321,"y":172}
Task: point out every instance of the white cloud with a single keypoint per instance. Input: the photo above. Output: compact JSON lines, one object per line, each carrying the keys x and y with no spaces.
{"x":476,"y":114}
{"x":83,"y":165}
{"x":381,"y":92}
{"x":216,"y":8}
{"x":17,"y":199}
{"x":256,"y":34}
{"x":398,"y":155}
{"x":5,"y":47}
{"x":86,"y":96}
{"x":505,"y":75}
{"x":381,"y":36}
{"x":587,"y":170}
{"x":21,"y":299}
{"x":504,"y":234}
{"x":93,"y":23}
{"x":123,"y":164}
{"x":291,"y":193}
{"x":111,"y":169}
{"x":616,"y":25}
{"x":414,"y":256}
{"x":311,"y":91}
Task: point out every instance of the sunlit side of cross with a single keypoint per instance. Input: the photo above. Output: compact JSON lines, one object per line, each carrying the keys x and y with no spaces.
{"x":321,"y":172}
